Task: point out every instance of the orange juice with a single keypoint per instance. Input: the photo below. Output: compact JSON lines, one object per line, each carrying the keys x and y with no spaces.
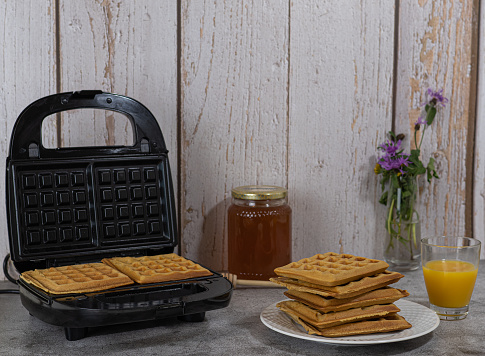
{"x":449,"y":282}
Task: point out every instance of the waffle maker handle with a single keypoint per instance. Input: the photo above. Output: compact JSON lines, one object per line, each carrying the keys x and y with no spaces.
{"x":26,"y":142}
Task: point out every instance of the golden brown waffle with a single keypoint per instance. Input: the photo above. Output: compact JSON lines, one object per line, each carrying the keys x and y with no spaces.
{"x":160,"y":268}
{"x":82,"y":278}
{"x":325,"y":320}
{"x":379,"y":325}
{"x":348,"y":290}
{"x":386,"y":295}
{"x":331,"y":269}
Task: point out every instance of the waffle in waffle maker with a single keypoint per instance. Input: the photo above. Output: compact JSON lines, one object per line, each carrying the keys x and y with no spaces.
{"x":70,"y":206}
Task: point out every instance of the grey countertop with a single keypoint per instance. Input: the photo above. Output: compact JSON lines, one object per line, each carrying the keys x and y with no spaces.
{"x":235,"y":330}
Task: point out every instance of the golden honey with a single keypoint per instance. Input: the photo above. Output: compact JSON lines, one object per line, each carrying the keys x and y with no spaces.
{"x":259,"y":231}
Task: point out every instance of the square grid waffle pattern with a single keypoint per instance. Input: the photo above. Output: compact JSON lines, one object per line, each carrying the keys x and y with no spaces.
{"x":331,"y":268}
{"x":80,"y":205}
{"x":160,"y":268}
{"x":132,"y":204}
{"x":77,"y":278}
{"x":54,"y":208}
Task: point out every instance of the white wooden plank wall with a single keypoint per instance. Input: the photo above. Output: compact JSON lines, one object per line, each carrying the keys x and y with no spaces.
{"x":124,"y":47}
{"x":292,"y":93}
{"x":340,"y":105}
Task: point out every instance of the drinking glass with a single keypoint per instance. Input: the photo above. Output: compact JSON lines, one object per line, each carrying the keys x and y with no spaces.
{"x":450,"y":267}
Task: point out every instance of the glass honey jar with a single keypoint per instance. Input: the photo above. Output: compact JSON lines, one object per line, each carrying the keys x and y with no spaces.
{"x":259,"y":231}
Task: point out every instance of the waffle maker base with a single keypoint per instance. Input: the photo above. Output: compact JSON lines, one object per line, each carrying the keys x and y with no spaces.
{"x":80,"y":205}
{"x":188,"y":300}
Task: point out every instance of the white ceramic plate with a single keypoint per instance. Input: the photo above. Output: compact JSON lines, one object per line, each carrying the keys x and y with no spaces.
{"x":422,"y":319}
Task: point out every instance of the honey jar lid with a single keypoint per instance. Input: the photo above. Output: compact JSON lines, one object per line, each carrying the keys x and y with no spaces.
{"x":259,"y":192}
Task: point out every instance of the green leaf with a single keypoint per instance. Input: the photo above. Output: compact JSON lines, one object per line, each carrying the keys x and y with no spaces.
{"x":416,"y":168}
{"x":420,"y":169}
{"x":415,"y":152}
{"x":383,"y":199}
{"x":384,"y":180}
{"x":430,"y":114}
{"x":414,"y":157}
{"x":394,"y":180}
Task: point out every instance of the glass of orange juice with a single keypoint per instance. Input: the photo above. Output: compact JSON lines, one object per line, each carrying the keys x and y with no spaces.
{"x":450,"y":267}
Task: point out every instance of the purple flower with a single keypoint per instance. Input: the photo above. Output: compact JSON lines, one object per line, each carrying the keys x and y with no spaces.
{"x":389,"y":162}
{"x":403,"y":161}
{"x":434,"y":98}
{"x":421,"y":121}
{"x":391,"y":147}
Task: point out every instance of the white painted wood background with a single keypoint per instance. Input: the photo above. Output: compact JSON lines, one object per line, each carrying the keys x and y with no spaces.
{"x":292,"y":93}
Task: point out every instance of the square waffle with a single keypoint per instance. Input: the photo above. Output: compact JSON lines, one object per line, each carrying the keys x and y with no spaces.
{"x":325,"y":320}
{"x":386,"y":295}
{"x":159,"y":268}
{"x":378,"y":325}
{"x":331,"y":269}
{"x":81,"y":278}
{"x":348,"y":290}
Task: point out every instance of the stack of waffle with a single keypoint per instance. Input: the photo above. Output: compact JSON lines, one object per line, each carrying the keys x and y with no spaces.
{"x":337,"y":295}
{"x":113,"y":272}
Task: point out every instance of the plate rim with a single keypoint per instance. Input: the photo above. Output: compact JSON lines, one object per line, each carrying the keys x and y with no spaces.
{"x":402,"y":304}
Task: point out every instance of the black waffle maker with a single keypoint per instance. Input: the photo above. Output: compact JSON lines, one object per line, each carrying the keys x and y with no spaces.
{"x":78,"y":205}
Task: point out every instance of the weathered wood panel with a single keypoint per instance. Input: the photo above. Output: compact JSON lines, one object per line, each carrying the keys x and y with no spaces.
{"x":234,"y":109}
{"x":27,"y":72}
{"x":479,"y":163}
{"x":124,"y":47}
{"x":340,"y":106}
{"x":297,"y":94}
{"x":436,"y":50}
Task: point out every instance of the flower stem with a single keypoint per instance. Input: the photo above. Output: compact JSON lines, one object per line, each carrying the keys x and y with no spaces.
{"x":421,"y":139}
{"x":389,"y":229}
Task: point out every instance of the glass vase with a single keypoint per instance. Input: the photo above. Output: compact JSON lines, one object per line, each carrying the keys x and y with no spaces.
{"x":402,"y":250}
